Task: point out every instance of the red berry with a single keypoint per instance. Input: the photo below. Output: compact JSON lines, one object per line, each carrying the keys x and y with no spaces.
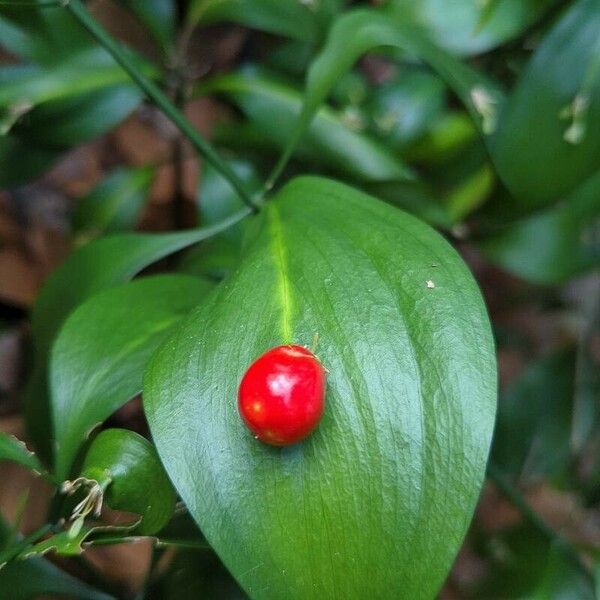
{"x":281,"y":396}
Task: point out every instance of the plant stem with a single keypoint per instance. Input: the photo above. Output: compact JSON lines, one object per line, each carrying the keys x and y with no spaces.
{"x":156,"y":95}
{"x":517,"y":499}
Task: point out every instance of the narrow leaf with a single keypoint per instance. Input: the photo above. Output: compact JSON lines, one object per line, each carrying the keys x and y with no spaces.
{"x":14,"y":450}
{"x":328,"y":142}
{"x":359,"y":31}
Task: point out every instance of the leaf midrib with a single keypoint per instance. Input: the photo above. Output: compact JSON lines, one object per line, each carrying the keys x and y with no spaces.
{"x":279,"y":254}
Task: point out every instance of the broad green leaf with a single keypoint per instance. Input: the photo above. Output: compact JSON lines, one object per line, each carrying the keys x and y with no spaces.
{"x":329,"y":142}
{"x":137,"y":482}
{"x":548,"y":142}
{"x":376,"y":502}
{"x":533,"y":429}
{"x":36,"y":577}
{"x":468,"y":27}
{"x":359,"y":31}
{"x":15,"y":450}
{"x":115,"y":203}
{"x":99,"y":265}
{"x":98,"y":359}
{"x":555,"y":244}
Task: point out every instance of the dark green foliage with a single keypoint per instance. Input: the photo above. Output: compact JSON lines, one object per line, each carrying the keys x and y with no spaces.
{"x":477,"y":118}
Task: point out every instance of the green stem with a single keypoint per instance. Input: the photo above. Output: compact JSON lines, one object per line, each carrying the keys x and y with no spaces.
{"x":158,"y":542}
{"x":516,"y":498}
{"x":156,"y":95}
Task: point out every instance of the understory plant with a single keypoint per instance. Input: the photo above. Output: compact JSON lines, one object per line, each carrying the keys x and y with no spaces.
{"x":369,"y":163}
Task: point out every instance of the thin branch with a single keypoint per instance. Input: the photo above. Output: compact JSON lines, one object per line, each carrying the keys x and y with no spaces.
{"x":156,"y":95}
{"x":519,"y":502}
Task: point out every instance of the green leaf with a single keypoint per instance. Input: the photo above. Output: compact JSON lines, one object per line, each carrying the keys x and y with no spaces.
{"x":14,"y":450}
{"x":548,"y":142}
{"x":403,"y":109}
{"x":376,"y":502}
{"x":446,"y":140}
{"x":46,"y":36}
{"x":74,"y":92}
{"x":518,"y":558}
{"x":359,"y":31}
{"x":553,"y":245}
{"x":467,"y":27}
{"x":290,"y":18}
{"x":329,"y":142}
{"x":98,"y":359}
{"x":115,"y":203}
{"x":72,"y":541}
{"x":64,"y":123}
{"x":48,"y":111}
{"x":36,"y":577}
{"x":533,"y":428}
{"x":563,"y":580}
{"x":99,"y":265}
{"x":137,"y":481}
{"x":73,"y":77}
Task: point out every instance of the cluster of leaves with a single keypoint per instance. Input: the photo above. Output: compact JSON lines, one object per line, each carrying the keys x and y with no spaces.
{"x":468,"y":133}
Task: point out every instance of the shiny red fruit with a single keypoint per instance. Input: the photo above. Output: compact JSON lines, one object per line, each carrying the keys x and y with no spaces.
{"x":282,"y":395}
